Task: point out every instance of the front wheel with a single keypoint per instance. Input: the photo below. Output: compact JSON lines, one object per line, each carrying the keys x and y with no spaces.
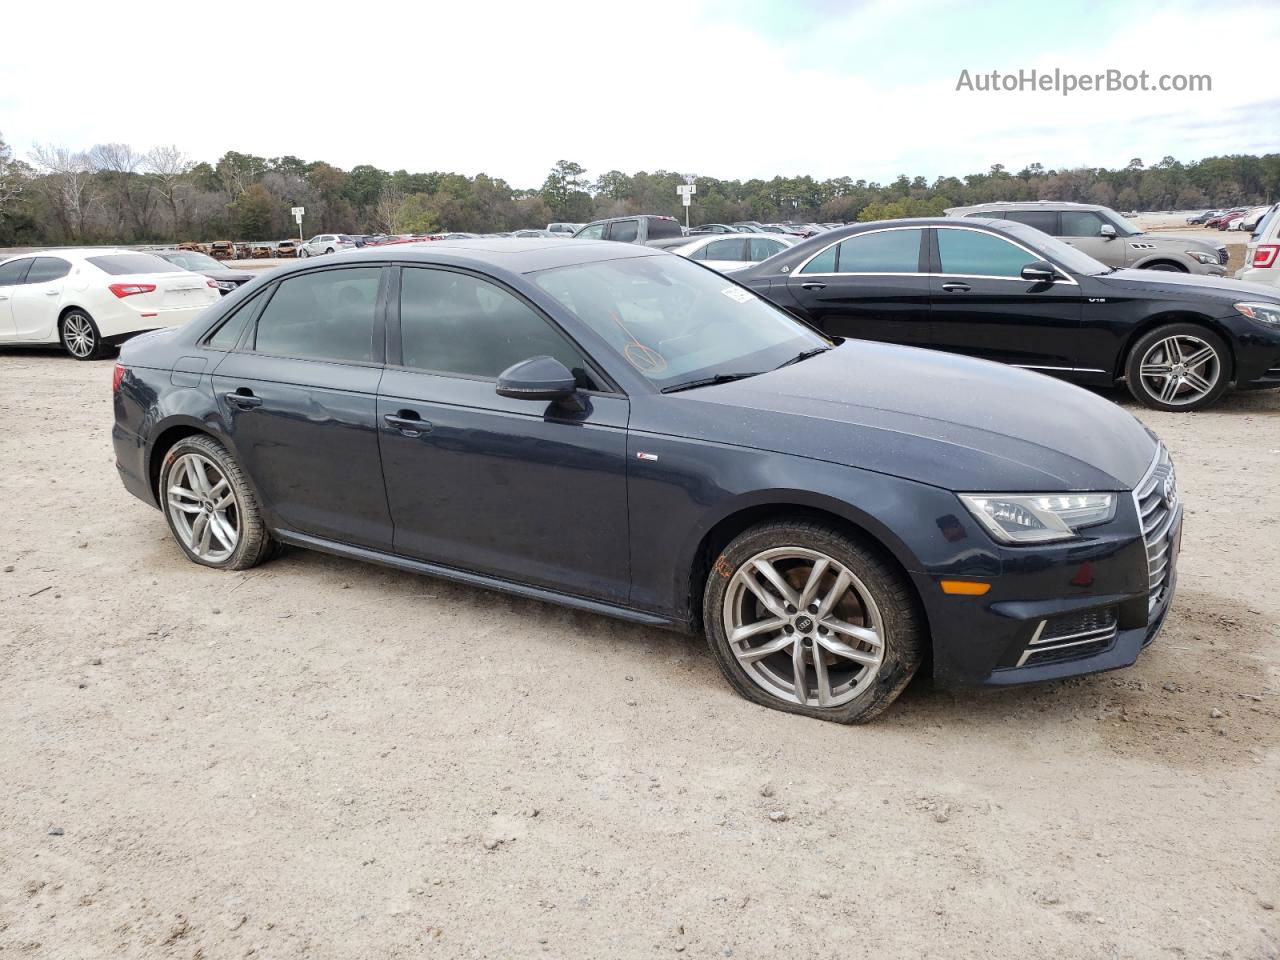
{"x":303,"y":253}
{"x":211,"y":509}
{"x":1167,"y":267}
{"x":80,"y":336}
{"x":802,"y":618}
{"x":1180,"y":366}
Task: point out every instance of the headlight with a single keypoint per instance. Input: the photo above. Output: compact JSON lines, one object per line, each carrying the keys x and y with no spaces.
{"x":1199,"y":256}
{"x":1266,"y":312}
{"x":226,"y":284}
{"x":1038,"y":517}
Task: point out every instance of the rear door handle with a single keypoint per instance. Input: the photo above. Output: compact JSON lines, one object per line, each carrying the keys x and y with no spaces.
{"x":410,"y":426}
{"x":244,"y":400}
{"x":813,"y":285}
{"x":52,"y":293}
{"x":956,"y":287}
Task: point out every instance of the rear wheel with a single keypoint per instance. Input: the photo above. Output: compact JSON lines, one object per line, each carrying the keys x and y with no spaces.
{"x":211,"y":510}
{"x":330,"y":250}
{"x":802,"y":618}
{"x":80,"y":336}
{"x":1178,"y":367}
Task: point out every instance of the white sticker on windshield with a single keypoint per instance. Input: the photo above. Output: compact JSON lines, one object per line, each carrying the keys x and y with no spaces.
{"x":737,"y":293}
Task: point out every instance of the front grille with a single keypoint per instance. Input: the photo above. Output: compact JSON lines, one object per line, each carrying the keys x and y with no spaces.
{"x":1157,"y":500}
{"x":1071,"y":637}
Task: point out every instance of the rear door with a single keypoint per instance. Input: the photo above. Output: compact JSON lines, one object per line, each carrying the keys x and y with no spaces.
{"x":299,"y":396}
{"x":36,"y":303}
{"x":982,"y":307}
{"x":871,"y":286}
{"x":11,"y":277}
{"x":727,"y":254}
{"x":623,"y":231}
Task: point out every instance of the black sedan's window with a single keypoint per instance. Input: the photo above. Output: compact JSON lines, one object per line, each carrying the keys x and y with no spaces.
{"x":972,"y":253}
{"x":322,"y":316}
{"x":882,"y":251}
{"x":454,"y":323}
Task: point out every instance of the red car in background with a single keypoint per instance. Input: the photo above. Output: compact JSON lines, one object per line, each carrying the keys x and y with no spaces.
{"x":1220,"y":222}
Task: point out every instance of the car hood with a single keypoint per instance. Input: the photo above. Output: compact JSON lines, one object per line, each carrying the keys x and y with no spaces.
{"x":1184,"y":285}
{"x":1164,"y":241}
{"x":941,"y":419}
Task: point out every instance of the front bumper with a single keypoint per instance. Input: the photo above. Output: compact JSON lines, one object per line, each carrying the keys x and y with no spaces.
{"x":1067,"y":609}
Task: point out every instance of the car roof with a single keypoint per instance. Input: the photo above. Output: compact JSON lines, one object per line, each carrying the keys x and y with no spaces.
{"x":1025,"y":205}
{"x":73,"y":253}
{"x":513,"y":254}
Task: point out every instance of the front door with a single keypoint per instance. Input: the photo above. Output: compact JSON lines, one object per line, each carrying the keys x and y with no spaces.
{"x":982,"y":307}
{"x":1082,"y":229}
{"x":300,"y":401}
{"x":523,"y":490}
{"x":872,"y":286}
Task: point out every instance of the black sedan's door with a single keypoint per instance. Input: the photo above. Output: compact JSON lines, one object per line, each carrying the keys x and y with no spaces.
{"x":982,"y":307}
{"x":518,"y":489}
{"x":300,"y":401}
{"x":872,"y":286}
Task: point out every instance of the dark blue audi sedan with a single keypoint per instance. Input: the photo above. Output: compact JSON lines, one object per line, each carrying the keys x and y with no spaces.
{"x":624,"y":431}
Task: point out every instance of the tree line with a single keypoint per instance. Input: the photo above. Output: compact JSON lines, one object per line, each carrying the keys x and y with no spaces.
{"x":115,"y":193}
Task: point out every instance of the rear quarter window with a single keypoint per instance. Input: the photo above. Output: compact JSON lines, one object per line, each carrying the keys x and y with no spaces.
{"x":661,"y":228}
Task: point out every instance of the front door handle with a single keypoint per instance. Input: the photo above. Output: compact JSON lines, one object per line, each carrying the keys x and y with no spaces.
{"x":813,"y":285}
{"x":956,"y":287}
{"x":411,"y":426}
{"x":243,"y":398}
{"x":52,"y":293}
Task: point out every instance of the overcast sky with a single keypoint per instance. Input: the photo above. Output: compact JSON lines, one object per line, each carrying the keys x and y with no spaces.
{"x":738,"y":89}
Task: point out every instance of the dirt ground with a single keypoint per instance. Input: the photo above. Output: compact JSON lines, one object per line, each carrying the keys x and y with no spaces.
{"x":329,"y":760}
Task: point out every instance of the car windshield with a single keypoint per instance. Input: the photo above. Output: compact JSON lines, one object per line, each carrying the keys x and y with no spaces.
{"x":676,"y":322}
{"x":1060,"y":253}
{"x":1123,"y":227}
{"x":194,"y":261}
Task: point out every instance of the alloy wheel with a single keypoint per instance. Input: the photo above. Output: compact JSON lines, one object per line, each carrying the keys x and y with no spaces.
{"x":78,"y":333}
{"x":1180,"y":370}
{"x":203,"y":508}
{"x":803,"y":627}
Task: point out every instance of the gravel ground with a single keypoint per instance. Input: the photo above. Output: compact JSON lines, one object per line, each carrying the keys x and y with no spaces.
{"x":323,"y":759}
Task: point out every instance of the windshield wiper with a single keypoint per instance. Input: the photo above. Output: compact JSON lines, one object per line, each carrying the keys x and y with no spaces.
{"x":803,"y":355}
{"x":710,"y":381}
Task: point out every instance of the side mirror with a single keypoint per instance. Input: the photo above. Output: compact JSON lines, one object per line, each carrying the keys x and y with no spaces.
{"x":1107,"y":231}
{"x":1039,"y":271}
{"x":539,"y":378}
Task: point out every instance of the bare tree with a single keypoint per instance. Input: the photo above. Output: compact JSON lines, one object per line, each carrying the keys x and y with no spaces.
{"x":120,"y":166}
{"x":12,"y":180}
{"x":68,"y":184}
{"x":390,"y":200}
{"x":169,"y":168}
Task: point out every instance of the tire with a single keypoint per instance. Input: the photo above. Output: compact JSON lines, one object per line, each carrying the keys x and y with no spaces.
{"x":209,"y":544}
{"x":79,"y":336}
{"x":303,"y":253}
{"x":875,"y":593}
{"x":330,"y":250}
{"x":1167,"y":267}
{"x":1170,"y":348}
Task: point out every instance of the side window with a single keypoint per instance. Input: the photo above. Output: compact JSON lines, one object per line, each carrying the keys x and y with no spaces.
{"x":11,"y":273}
{"x":1046,"y":220}
{"x":972,"y":253}
{"x":593,"y":232}
{"x":725,"y":250}
{"x":700,"y":253}
{"x":48,"y":268}
{"x":1080,"y":223}
{"x":327,"y":315}
{"x":886,"y":251}
{"x":762,"y":249}
{"x":624,"y":231}
{"x":454,"y":323}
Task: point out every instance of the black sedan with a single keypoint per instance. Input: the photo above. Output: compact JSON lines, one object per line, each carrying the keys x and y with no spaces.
{"x":626,"y":432}
{"x":1008,"y":292}
{"x":227,"y":280}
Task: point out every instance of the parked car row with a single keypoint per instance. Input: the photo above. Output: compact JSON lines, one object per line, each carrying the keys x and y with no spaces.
{"x":623,"y":431}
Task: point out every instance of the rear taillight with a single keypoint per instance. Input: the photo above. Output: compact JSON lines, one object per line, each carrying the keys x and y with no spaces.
{"x":1265,"y":254}
{"x":116,"y":376}
{"x":123,"y":290}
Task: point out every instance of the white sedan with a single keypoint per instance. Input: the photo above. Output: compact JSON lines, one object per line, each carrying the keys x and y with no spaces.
{"x":729,"y":253}
{"x":90,"y":301}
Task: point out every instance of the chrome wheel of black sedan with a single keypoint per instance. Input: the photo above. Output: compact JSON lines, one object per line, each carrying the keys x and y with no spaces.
{"x":626,"y":432}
